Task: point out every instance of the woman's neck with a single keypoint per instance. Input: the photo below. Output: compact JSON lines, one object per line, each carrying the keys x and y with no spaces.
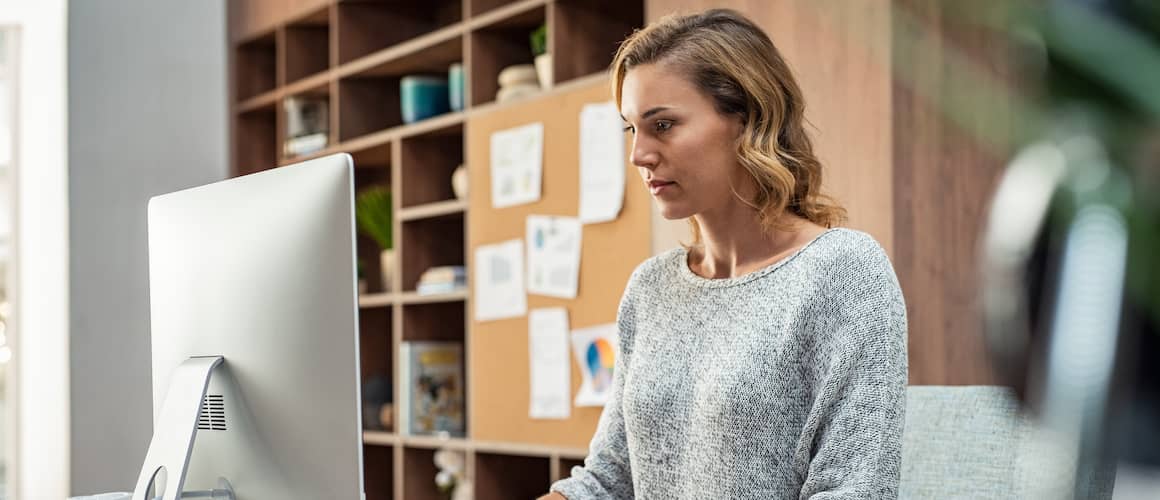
{"x":732,"y":245}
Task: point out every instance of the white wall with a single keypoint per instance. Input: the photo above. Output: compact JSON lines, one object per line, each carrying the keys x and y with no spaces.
{"x":39,"y":392}
{"x":147,"y":115}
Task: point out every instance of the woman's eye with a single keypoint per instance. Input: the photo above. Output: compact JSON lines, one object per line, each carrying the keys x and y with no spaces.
{"x":663,"y":125}
{"x":630,"y":128}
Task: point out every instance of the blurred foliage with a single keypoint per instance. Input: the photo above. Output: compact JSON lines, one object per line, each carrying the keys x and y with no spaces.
{"x":373,"y":210}
{"x":539,"y":40}
{"x":1089,"y":64}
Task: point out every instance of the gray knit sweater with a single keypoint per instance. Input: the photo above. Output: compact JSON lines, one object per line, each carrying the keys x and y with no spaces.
{"x":788,"y":382}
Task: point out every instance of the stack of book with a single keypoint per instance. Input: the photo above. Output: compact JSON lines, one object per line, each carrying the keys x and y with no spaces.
{"x":442,"y":279}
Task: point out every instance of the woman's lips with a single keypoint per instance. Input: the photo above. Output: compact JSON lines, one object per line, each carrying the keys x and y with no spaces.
{"x":657,"y":187}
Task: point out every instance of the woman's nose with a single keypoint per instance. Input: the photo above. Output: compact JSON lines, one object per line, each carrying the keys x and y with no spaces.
{"x":643,"y":154}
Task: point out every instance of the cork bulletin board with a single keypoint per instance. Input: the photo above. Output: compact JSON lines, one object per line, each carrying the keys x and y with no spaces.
{"x":497,"y":351}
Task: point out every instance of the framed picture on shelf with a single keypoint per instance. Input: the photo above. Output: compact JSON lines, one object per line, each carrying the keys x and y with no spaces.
{"x":433,"y":399}
{"x":307,"y":125}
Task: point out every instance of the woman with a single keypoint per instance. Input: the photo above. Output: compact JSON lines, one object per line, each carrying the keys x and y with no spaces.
{"x":767,"y":359}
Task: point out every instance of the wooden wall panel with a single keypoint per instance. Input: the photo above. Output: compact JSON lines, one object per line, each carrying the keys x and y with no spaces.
{"x":943,"y":178}
{"x":498,"y":350}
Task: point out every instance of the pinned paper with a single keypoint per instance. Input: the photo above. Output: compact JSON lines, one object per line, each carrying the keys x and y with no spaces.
{"x":596,"y":349}
{"x":499,"y":281}
{"x":601,"y":163}
{"x":517,"y":165}
{"x":551,"y":373}
{"x":553,"y":255}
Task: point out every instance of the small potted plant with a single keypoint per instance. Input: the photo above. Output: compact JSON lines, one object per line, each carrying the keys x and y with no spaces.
{"x":543,"y":58}
{"x":373,"y":214}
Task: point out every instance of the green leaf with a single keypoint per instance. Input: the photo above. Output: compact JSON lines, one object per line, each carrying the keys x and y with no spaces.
{"x":373,"y":214}
{"x":540,"y":40}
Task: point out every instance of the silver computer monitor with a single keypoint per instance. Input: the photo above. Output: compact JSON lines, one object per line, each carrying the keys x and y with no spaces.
{"x":259,"y":270}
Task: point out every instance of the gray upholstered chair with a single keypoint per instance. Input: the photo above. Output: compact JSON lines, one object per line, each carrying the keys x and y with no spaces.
{"x":972,"y":442}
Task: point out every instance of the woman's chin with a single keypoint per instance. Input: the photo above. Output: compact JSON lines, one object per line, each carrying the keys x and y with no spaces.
{"x":672,"y":211}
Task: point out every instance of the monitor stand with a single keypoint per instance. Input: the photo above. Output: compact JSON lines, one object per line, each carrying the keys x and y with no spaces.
{"x":175,"y":431}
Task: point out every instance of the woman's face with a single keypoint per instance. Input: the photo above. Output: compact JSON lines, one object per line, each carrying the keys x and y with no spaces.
{"x":684,"y":149}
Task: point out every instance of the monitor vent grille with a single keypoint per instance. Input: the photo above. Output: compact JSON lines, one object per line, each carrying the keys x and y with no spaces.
{"x":212,"y":416}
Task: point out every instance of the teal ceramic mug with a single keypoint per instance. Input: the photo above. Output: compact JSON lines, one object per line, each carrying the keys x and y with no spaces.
{"x":422,"y":97}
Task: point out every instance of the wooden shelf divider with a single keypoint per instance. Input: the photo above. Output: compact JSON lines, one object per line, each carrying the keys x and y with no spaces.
{"x":397,"y":58}
{"x":380,"y":438}
{"x":437,"y":209}
{"x":376,"y":300}
{"x":505,"y":14}
{"x":434,"y":298}
{"x":259,"y":101}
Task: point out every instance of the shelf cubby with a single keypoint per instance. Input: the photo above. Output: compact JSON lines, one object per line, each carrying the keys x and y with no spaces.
{"x":497,"y":45}
{"x":502,"y":477}
{"x":374,"y":170}
{"x":379,"y":472}
{"x":367,"y":175}
{"x":419,"y":470}
{"x":375,"y":156}
{"x":255,"y":66}
{"x":367,"y":104}
{"x":366,"y":27}
{"x":436,"y":241}
{"x":588,"y":32}
{"x":376,"y":359}
{"x":319,"y":90}
{"x":427,"y":163}
{"x":256,"y":145}
{"x":307,"y":45}
{"x":443,"y":321}
{"x":369,"y":91}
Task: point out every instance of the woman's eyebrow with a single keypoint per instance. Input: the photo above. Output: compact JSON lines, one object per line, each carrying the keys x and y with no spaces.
{"x":648,"y":113}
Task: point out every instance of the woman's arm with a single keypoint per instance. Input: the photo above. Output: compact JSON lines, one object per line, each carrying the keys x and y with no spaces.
{"x":853,"y":435}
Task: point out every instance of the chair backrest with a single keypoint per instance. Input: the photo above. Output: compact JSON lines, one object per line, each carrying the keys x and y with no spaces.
{"x":973,"y":442}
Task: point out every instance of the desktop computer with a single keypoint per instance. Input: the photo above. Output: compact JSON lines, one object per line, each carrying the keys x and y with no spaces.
{"x":254,"y":318}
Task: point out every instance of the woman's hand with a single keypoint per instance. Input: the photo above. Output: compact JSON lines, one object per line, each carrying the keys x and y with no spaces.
{"x":553,"y":496}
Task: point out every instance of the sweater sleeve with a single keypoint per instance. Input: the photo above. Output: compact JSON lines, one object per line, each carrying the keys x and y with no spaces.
{"x":853,"y":434}
{"x":606,"y":473}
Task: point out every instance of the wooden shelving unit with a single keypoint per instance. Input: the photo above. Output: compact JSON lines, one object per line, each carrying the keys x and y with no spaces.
{"x":353,"y":54}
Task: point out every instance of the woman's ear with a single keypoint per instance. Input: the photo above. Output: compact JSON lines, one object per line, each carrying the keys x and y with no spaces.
{"x":739,"y":124}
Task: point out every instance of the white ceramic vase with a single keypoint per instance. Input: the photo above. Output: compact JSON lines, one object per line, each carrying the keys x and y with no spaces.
{"x":459,"y":182}
{"x":387,"y":266}
{"x":544,"y":69}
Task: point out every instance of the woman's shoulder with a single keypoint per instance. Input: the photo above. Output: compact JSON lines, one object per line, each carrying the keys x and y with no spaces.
{"x":857,"y":267}
{"x":845,"y":248}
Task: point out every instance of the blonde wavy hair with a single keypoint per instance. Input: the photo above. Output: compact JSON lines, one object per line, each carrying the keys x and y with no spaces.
{"x":733,"y":61}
